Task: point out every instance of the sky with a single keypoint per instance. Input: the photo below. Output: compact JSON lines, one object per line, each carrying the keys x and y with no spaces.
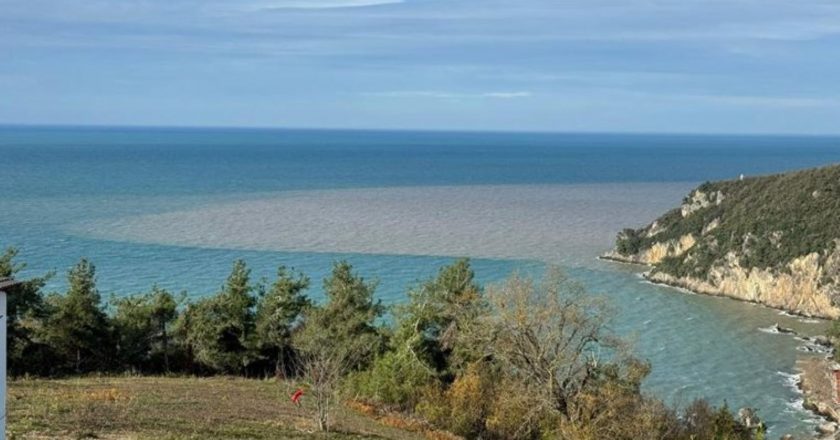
{"x":695,"y":66}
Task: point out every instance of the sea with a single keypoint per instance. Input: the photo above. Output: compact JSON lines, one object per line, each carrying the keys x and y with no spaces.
{"x":174,"y":207}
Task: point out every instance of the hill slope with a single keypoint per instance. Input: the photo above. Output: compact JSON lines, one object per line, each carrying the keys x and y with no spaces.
{"x":773,"y":240}
{"x":179,"y":408}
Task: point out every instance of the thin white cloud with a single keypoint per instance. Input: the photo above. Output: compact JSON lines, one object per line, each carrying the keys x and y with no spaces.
{"x":735,"y":100}
{"x":451,"y":95}
{"x":506,"y":95}
{"x":764,"y":101}
{"x":323,"y":4}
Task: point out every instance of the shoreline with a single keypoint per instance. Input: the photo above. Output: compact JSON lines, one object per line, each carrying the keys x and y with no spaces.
{"x":679,"y":285}
{"x":616,"y":259}
{"x":818,"y":388}
{"x":815,"y":382}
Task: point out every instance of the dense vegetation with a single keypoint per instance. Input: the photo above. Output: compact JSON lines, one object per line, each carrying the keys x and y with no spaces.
{"x":520,"y":360}
{"x":768,"y":221}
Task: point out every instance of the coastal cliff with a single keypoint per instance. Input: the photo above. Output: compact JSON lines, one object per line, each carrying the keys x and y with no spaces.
{"x":772,"y":240}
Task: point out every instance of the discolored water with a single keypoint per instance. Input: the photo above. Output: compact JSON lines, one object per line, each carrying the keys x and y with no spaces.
{"x":175,"y":207}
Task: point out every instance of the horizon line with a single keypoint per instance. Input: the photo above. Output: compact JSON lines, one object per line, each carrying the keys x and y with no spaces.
{"x":408,"y":130}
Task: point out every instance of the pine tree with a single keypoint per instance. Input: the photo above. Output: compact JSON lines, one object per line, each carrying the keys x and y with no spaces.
{"x":142,"y":326}
{"x":220,"y":329}
{"x":26,"y":311}
{"x":279,"y":313}
{"x":436,"y":315}
{"x":77,"y":328}
{"x":350,"y":314}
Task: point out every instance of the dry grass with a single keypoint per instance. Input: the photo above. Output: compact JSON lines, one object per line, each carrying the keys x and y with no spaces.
{"x":162,"y":408}
{"x":400,"y":421}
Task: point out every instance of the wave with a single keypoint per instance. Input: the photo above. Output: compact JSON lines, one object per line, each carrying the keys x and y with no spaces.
{"x":791,"y":380}
{"x":800,"y":318}
{"x":773,"y":330}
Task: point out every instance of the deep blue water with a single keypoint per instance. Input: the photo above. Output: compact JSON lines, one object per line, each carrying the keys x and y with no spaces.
{"x":50,"y":162}
{"x":51,"y":178}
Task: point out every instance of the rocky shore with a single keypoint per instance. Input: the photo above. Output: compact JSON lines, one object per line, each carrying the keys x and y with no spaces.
{"x":765,"y":287}
{"x":818,"y":388}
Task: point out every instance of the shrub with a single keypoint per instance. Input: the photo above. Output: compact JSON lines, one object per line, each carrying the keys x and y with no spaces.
{"x":470,"y":397}
{"x":392,"y":380}
{"x":514,"y":413}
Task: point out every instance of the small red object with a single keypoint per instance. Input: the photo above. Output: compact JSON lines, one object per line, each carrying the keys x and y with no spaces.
{"x":296,"y":396}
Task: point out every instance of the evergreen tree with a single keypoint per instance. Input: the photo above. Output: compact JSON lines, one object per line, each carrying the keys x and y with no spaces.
{"x":350,"y":313}
{"x":78,"y":328}
{"x":436,"y":315}
{"x":25,"y":309}
{"x":220,"y":330}
{"x":279,"y":312}
{"x":142,"y":326}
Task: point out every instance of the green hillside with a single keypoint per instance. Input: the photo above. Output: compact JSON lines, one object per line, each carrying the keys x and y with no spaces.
{"x":766,"y":221}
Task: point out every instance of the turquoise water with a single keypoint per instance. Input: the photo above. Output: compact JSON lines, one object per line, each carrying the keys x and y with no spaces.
{"x":175,"y":207}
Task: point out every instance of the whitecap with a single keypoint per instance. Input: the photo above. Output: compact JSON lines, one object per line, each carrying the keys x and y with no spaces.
{"x":770,"y":330}
{"x":791,"y":380}
{"x":812,"y":348}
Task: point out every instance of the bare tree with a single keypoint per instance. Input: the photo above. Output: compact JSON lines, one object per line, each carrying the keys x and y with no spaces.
{"x":550,"y":336}
{"x":324,"y":362}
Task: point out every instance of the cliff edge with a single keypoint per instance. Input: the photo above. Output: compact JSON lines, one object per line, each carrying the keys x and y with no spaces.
{"x":772,"y":240}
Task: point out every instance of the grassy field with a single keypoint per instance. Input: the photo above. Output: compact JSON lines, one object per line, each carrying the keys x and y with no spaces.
{"x":163,"y":408}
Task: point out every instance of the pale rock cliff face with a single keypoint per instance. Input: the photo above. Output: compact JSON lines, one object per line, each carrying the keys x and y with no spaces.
{"x":711,"y":226}
{"x":700,"y":200}
{"x":654,"y":229}
{"x":800,"y":288}
{"x":656,"y":253}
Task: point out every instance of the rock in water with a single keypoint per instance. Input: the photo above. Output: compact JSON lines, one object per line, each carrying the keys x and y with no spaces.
{"x":785,"y":330}
{"x":827,"y":428}
{"x":749,"y":418}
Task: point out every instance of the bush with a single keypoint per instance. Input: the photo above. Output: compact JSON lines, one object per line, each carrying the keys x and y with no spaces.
{"x":629,"y":242}
{"x":515,"y":414}
{"x":470,"y":397}
{"x":392,"y":380}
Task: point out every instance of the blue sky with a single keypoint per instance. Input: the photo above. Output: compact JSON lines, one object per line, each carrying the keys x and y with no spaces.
{"x":732,"y":66}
